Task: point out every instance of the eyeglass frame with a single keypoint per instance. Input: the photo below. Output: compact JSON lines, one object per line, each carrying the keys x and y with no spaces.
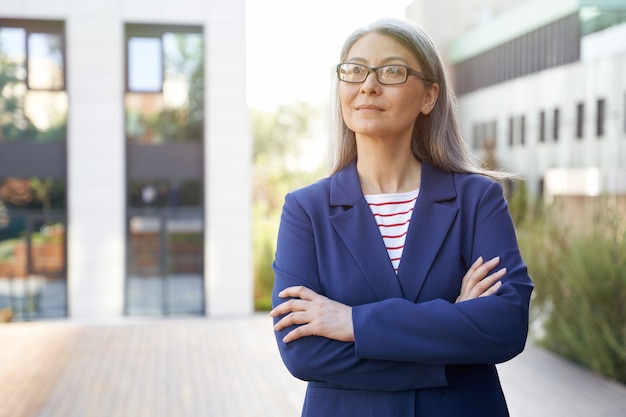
{"x":410,"y":71}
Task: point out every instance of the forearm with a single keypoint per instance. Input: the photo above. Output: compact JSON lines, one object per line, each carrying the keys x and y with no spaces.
{"x":484,"y":330}
{"x":314,"y":358}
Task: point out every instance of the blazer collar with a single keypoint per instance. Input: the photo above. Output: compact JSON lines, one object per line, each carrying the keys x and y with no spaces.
{"x":432,"y":218}
{"x":436,"y":185}
{"x":345,"y":187}
{"x":429,"y":225}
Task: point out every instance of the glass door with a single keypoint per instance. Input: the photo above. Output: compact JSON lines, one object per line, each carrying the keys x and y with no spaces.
{"x":32,"y":267}
{"x":165,"y":270}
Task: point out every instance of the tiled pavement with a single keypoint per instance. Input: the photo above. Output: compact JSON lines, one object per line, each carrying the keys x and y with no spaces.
{"x":226,"y":367}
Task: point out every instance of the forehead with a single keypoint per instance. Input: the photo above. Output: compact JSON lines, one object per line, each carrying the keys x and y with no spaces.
{"x":377,"y":49}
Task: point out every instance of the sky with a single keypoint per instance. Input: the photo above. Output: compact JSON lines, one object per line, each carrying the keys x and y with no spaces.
{"x":292,"y":46}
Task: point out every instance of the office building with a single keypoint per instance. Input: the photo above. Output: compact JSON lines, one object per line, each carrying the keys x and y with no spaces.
{"x":125,"y":149}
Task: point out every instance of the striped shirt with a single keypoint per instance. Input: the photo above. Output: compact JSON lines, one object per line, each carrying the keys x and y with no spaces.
{"x":393,"y":215}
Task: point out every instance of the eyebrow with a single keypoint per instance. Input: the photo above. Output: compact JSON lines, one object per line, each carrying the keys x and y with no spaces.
{"x":385,"y":61}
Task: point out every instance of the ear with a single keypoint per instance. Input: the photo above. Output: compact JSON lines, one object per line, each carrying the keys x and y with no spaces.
{"x":430,"y":98}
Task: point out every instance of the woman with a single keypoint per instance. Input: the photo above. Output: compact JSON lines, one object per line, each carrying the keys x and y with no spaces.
{"x":398,"y":280}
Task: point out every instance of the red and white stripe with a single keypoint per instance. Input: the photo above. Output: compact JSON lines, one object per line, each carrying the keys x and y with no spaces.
{"x":393,"y":215}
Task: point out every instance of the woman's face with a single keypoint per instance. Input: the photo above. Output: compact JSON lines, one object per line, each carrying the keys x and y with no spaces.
{"x":376,"y":110}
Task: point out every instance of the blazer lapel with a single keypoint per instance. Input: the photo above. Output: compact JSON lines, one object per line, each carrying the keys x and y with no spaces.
{"x":430,"y":223}
{"x":357,"y":228}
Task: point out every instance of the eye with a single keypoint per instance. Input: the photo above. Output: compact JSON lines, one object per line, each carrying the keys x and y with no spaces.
{"x":355,"y":69}
{"x":392,"y":70}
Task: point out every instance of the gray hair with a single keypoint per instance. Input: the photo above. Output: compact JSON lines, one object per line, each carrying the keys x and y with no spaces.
{"x":436,"y":137}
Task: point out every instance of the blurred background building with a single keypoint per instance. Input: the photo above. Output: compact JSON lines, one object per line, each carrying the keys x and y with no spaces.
{"x":541,"y":88}
{"x":125,"y":149}
{"x":125,"y":142}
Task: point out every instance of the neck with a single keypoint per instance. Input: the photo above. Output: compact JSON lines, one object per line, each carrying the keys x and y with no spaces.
{"x":386,"y":168}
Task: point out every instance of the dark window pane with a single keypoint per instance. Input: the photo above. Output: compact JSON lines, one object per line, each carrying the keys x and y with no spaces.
{"x":555,"y":125}
{"x":600,"y":116}
{"x":164,"y":194}
{"x":580,"y":120}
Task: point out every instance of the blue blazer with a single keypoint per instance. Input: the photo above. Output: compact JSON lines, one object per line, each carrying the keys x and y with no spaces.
{"x":416,"y":352}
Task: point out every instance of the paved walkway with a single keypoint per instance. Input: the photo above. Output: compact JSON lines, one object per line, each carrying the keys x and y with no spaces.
{"x":221,"y":368}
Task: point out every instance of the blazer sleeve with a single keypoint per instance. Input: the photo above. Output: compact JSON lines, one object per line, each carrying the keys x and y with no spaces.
{"x":320,"y":359}
{"x":490,"y":329}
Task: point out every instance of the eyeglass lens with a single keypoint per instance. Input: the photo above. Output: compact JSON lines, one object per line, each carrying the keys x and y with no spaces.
{"x":388,"y":74}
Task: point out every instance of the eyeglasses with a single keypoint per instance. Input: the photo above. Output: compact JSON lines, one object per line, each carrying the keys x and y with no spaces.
{"x":387,"y":74}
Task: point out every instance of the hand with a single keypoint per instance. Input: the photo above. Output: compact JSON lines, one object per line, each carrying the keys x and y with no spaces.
{"x":476,"y":283}
{"x":317,"y":316}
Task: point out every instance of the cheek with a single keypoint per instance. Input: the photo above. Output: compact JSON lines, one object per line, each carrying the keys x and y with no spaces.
{"x":345,"y":99}
{"x":344,"y":96}
{"x":410,"y":105}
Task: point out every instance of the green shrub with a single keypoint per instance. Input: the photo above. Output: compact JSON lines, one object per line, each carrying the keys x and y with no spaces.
{"x":264,"y":247}
{"x":580,"y":289}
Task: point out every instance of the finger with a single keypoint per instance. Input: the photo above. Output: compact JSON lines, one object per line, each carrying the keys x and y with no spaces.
{"x":295,"y":304}
{"x":487,"y":267}
{"x":492,"y":290}
{"x":297,"y":333}
{"x":298,"y":291}
{"x":477,"y":263}
{"x":470,"y":272}
{"x":486,"y":283}
{"x":291,"y":319}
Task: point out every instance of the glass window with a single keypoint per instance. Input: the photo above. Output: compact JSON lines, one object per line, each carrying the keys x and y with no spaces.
{"x":33,"y":110}
{"x":542,"y":126}
{"x":171,"y":194}
{"x":580,"y":120}
{"x":600,"y":116}
{"x":33,"y":101}
{"x":555,"y":125}
{"x":145,"y":65}
{"x":165,"y":91}
{"x":164,"y":105}
{"x":45,"y":61}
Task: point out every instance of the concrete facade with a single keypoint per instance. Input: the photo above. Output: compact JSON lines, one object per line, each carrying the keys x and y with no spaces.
{"x":96,"y":235}
{"x":560,"y":88}
{"x":500,"y":108}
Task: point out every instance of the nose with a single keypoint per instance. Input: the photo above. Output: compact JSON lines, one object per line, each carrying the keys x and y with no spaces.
{"x":371,"y":84}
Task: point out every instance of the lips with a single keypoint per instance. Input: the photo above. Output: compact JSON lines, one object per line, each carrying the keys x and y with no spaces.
{"x":369,"y":107}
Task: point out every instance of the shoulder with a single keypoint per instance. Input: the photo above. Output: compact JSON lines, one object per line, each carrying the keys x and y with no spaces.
{"x":475,"y":182}
{"x":446,"y":185}
{"x":479,"y":194}
{"x":311,"y":196}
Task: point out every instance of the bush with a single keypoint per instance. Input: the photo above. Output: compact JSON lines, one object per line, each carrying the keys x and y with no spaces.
{"x":264,"y":246}
{"x":580,"y":289}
